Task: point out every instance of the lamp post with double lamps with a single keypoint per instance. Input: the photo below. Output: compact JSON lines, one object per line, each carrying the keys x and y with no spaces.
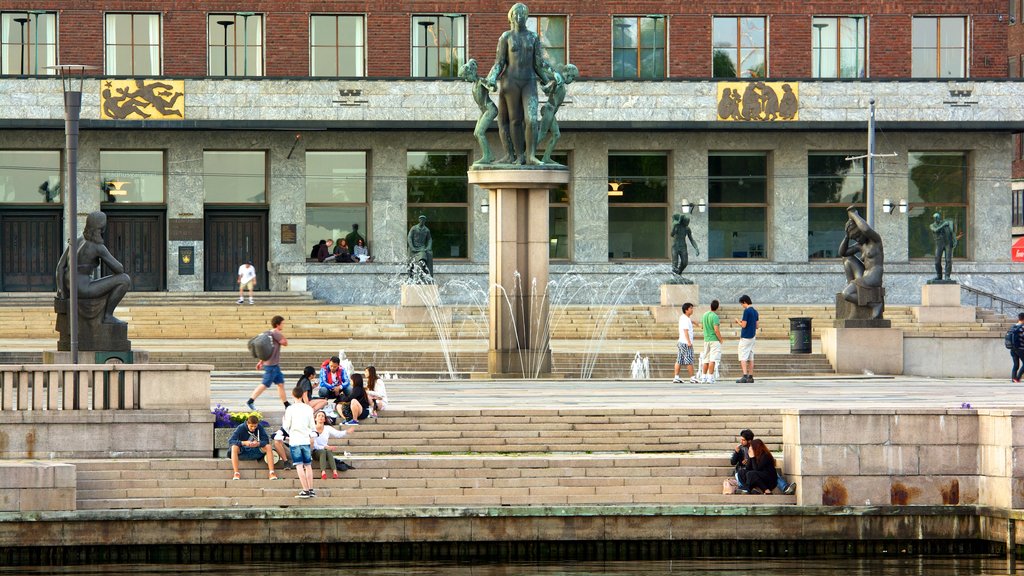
{"x":226,"y":24}
{"x":820,"y":26}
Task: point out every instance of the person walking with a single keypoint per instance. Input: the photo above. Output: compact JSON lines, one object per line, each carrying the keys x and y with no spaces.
{"x":1017,"y":352}
{"x":246,"y":279}
{"x":748,"y":333}
{"x":271,"y":367}
{"x":684,"y":347}
{"x":712,"y":353}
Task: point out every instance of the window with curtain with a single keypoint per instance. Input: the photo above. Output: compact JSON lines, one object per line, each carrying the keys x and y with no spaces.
{"x":336,"y":190}
{"x":839,"y":47}
{"x":235,"y":177}
{"x":337,"y":44}
{"x":30,"y":176}
{"x":939,"y":47}
{"x":833,"y":185}
{"x":132,"y":176}
{"x":559,"y":216}
{"x":738,"y":205}
{"x":938,"y":185}
{"x":28,"y":42}
{"x":133,"y":45}
{"x":235,"y":44}
{"x":553,"y":36}
{"x":638,"y":205}
{"x":739,"y":47}
{"x":638,"y":46}
{"x":438,"y":45}
{"x":437,"y":187}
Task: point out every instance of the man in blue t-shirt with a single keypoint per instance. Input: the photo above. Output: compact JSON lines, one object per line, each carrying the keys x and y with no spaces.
{"x":748,"y":333}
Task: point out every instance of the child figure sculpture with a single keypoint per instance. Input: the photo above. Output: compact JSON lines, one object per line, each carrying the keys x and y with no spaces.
{"x":548,"y":123}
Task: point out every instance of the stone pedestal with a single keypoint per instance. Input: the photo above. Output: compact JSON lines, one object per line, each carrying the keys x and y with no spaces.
{"x":93,"y":334}
{"x":854,"y":350}
{"x":940,"y":303}
{"x":850,"y":315}
{"x":519,"y":342}
{"x":420,"y":304}
{"x":673,"y":296}
{"x":98,"y":357}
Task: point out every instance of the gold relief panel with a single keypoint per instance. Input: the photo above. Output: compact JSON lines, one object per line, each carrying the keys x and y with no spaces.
{"x":759,"y":101}
{"x":142,"y":99}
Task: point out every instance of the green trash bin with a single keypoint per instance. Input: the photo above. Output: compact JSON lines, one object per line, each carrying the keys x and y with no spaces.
{"x":800,"y":335}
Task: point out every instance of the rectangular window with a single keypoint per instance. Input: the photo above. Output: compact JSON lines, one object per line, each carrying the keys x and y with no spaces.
{"x":738,"y":205}
{"x":337,"y":45}
{"x":939,"y":47}
{"x":235,"y":177}
{"x":438,"y":45}
{"x":132,"y":176}
{"x":28,"y":42}
{"x":839,"y":47}
{"x":559,"y":223}
{"x":133,"y":45}
{"x":553,"y":36}
{"x":938,"y":185}
{"x":438,"y":188}
{"x":30,"y":176}
{"x":638,"y":205}
{"x":739,"y":47}
{"x":833,"y":185}
{"x":235,"y":44}
{"x":336,"y":186}
{"x":638,"y":46}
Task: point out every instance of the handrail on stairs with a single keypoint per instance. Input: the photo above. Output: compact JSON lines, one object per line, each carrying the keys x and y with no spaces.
{"x":994,"y":301}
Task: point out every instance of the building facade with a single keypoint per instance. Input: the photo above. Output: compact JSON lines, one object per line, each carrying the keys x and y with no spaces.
{"x":219,"y":132}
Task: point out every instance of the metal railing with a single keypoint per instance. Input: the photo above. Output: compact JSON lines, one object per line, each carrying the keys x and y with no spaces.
{"x":995,"y":303}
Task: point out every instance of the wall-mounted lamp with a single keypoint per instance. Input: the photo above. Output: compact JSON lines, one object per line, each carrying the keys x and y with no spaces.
{"x":484,"y":206}
{"x":615,"y":188}
{"x":686,"y":206}
{"x":889,"y":207}
{"x":903,"y":206}
{"x":702,"y":206}
{"x":115,"y":188}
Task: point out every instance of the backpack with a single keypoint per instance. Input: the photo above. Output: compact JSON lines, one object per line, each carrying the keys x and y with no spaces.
{"x":1012,"y":338}
{"x":262,"y":346}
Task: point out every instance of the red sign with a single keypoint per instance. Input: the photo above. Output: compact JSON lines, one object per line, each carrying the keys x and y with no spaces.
{"x":1017,"y":251}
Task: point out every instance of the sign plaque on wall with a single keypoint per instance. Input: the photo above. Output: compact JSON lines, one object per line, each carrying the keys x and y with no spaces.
{"x":186,"y":260}
{"x":289,"y":233}
{"x":142,"y":100}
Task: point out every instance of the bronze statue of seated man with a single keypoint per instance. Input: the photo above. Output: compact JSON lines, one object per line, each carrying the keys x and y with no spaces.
{"x":91,"y":253}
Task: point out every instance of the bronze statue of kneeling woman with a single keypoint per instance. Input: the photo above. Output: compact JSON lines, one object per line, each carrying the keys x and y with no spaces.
{"x":91,"y":253}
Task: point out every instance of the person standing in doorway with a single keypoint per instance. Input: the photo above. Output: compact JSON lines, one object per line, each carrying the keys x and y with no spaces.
{"x":748,"y":333}
{"x":712,"y":353}
{"x":246,"y":279}
{"x":272,"y":374}
{"x":684,"y":347}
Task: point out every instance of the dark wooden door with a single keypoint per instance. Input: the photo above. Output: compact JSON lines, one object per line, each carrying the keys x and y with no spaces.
{"x":233,"y":237}
{"x":30,"y":246}
{"x":136,"y":238}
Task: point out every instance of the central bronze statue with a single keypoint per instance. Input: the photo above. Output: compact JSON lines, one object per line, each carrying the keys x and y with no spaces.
{"x":945,"y":243}
{"x":864,"y":263}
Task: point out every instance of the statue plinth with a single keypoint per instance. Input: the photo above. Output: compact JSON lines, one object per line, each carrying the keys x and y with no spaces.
{"x":850,"y":315}
{"x":940,"y":303}
{"x":943,"y":281}
{"x":860,"y":350}
{"x":673,"y":296}
{"x":519,"y":341}
{"x":420,"y":304}
{"x":94,"y":335}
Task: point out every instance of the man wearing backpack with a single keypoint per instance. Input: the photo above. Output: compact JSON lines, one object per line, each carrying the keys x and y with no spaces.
{"x":1017,"y":350}
{"x":271,"y":367}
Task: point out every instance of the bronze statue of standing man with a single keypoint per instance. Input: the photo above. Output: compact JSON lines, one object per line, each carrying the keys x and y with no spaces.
{"x":945,"y":242}
{"x":518,"y":65}
{"x":680,"y":233}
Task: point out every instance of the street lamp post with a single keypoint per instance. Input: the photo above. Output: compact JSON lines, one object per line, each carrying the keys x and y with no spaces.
{"x":35,"y":14}
{"x":226,"y":24}
{"x":21,"y":47}
{"x":819,"y":26}
{"x":654,"y":43}
{"x":426,"y":26}
{"x":72,"y":77}
{"x":245,"y":41}
{"x":856,"y":55}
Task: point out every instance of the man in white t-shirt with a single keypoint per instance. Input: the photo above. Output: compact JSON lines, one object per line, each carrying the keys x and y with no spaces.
{"x":246,"y":279}
{"x":298,"y":424}
{"x":684,"y":348}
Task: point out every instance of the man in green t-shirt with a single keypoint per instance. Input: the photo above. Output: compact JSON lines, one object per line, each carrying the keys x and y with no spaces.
{"x":712,"y":354}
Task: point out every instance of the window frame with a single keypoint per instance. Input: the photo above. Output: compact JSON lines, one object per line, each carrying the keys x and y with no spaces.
{"x":666,"y":205}
{"x":108,"y":44}
{"x":415,"y":20}
{"x":862,"y":51}
{"x":536,"y":20}
{"x":266,"y":180}
{"x":739,"y":18}
{"x":966,"y":49}
{"x":366,"y":204}
{"x":337,"y":45}
{"x":862,"y":205}
{"x":558,"y":155}
{"x":30,"y":47}
{"x":660,"y":20}
{"x":60,"y":174}
{"x":766,"y":205}
{"x":468,"y":204}
{"x":163,"y":179}
{"x":931,"y":207}
{"x":233,"y":48}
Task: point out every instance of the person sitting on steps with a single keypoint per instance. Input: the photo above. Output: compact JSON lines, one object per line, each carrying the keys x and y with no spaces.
{"x":250,"y":441}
